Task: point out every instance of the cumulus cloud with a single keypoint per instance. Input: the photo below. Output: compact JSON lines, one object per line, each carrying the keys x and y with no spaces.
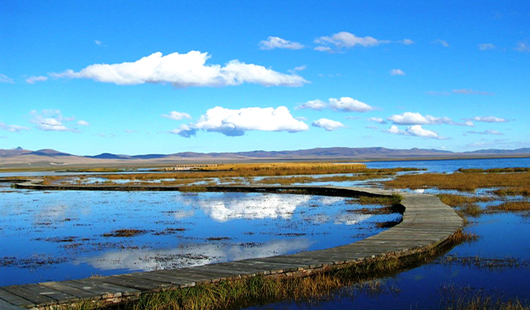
{"x":237,"y":122}
{"x":486,"y":46}
{"x":183,"y":70}
{"x":328,"y":124}
{"x":349,"y":105}
{"x":346,"y":39}
{"x":467,"y":91}
{"x":51,"y":120}
{"x":12,"y":128}
{"x":414,"y":130}
{"x":396,"y":72}
{"x":177,"y":115}
{"x":276,"y":42}
{"x":33,"y":79}
{"x":345,"y":104}
{"x":489,"y":119}
{"x":442,"y":42}
{"x":83,"y":123}
{"x":5,"y":79}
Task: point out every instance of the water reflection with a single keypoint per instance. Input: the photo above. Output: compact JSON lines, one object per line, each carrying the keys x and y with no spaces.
{"x":222,"y":207}
{"x":192,"y":255}
{"x":57,"y":235}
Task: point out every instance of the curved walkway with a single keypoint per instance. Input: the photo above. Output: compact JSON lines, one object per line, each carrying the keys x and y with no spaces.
{"x":427,"y":224}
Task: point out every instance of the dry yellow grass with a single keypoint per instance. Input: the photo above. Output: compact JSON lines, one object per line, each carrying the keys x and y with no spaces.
{"x":517,"y":182}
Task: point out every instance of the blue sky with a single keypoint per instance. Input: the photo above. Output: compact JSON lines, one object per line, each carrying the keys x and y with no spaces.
{"x":137,"y":77}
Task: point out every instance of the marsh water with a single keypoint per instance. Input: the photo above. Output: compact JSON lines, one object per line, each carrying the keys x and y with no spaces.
{"x":495,"y":268}
{"x":60,"y":235}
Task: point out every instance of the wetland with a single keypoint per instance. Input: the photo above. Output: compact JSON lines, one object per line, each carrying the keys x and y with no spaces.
{"x":490,"y":270}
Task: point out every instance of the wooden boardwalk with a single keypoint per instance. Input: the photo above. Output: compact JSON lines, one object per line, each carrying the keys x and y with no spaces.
{"x":427,"y":223}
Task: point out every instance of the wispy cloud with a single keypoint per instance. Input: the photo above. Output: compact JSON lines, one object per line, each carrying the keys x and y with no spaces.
{"x":377,"y":120}
{"x":13,"y":128}
{"x":522,"y":47}
{"x":441,"y":42}
{"x":396,"y":72}
{"x":276,"y":42}
{"x":344,"y":104}
{"x":486,"y":46}
{"x":177,"y":115}
{"x":33,"y":79}
{"x":5,"y":79}
{"x":236,"y":122}
{"x":347,"y":40}
{"x":328,"y":124}
{"x":468,"y":91}
{"x":412,"y":118}
{"x":183,"y":70}
{"x":51,"y":120}
{"x":489,"y":119}
{"x":485,"y":132}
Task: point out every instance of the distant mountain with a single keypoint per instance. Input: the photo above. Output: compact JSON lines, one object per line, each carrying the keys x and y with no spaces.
{"x":497,"y":151}
{"x":20,"y":157}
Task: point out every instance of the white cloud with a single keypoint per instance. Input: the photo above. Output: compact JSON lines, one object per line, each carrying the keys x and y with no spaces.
{"x":276,"y":42}
{"x":377,"y":120}
{"x":5,"y":79}
{"x":349,"y":105}
{"x":418,"y":131}
{"x":414,"y":130}
{"x":83,"y":123}
{"x":237,"y":122}
{"x":184,"y":131}
{"x":407,"y":41}
{"x":412,"y":118}
{"x":442,"y":42}
{"x":33,"y":79}
{"x":98,"y":42}
{"x":51,"y":120}
{"x":345,"y":104}
{"x":346,"y":39}
{"x":395,"y":130}
{"x":328,"y":124}
{"x":486,"y":46}
{"x":12,"y":128}
{"x":396,"y":72}
{"x":313,"y":104}
{"x":183,"y":70}
{"x":177,"y":115}
{"x":467,"y":91}
{"x":489,"y":119}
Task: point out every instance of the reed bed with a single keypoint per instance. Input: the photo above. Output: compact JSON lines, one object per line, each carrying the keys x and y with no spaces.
{"x":468,"y":182}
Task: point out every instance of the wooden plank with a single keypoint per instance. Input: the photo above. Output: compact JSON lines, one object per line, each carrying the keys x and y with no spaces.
{"x":15,"y":299}
{"x":49,"y":292}
{"x":30,"y":295}
{"x":4,"y":305}
{"x":60,"y":286}
{"x":105,"y":290}
{"x":136,"y":283}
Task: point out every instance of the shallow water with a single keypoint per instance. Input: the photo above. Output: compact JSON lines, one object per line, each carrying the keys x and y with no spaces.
{"x":497,"y":265}
{"x":59,"y":235}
